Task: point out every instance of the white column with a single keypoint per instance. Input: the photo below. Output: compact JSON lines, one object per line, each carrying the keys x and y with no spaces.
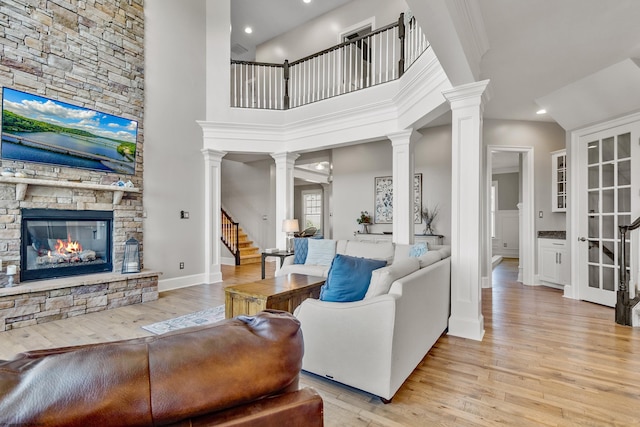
{"x":520,"y":241}
{"x":284,"y":193}
{"x":212,"y":208}
{"x":403,"y":170}
{"x":467,"y":105}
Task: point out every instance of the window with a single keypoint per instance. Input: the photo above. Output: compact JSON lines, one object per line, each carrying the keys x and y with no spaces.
{"x":494,"y":207}
{"x":312,"y":209}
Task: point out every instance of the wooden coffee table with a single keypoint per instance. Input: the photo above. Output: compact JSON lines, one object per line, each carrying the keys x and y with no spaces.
{"x":278,"y":293}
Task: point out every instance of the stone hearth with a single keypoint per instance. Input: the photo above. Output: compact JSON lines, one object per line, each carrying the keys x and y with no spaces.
{"x":43,"y":301}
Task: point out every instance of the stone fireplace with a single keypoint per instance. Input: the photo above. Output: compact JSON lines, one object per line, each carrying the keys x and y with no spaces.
{"x":67,"y":240}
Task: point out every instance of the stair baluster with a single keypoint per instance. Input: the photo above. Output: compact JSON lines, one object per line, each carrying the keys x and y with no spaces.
{"x":230,"y":235}
{"x":624,"y":304}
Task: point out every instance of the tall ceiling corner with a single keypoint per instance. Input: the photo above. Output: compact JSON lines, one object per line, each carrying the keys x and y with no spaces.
{"x":470,"y":27}
{"x":455,"y":29}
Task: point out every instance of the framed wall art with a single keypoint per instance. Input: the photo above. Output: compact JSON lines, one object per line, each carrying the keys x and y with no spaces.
{"x":383,"y":213}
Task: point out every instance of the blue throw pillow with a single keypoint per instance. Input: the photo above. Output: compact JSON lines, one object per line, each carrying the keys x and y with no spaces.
{"x":300,"y":248}
{"x":348,"y":278}
{"x":418,"y":250}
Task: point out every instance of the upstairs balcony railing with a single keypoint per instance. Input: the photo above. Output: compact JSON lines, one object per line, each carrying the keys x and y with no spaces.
{"x":374,"y":58}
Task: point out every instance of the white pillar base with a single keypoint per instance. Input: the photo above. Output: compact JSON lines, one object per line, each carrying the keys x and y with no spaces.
{"x":472,"y":329}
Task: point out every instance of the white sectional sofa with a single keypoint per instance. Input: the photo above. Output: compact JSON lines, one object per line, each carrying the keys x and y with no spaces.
{"x":374,"y":344}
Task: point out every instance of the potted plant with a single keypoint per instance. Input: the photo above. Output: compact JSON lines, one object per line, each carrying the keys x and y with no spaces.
{"x":428,"y":216}
{"x":364,"y":220}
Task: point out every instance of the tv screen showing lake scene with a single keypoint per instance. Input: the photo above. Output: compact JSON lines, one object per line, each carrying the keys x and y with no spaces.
{"x":42,"y":130}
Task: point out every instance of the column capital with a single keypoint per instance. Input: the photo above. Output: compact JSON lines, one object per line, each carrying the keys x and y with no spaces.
{"x":212,"y":155}
{"x":476,"y":93}
{"x":403,"y":137}
{"x":285,"y":157}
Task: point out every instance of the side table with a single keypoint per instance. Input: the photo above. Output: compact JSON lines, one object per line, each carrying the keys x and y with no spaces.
{"x":280,"y":254}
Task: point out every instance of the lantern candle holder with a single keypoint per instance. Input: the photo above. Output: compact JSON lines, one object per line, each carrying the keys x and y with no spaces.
{"x":131,"y":260}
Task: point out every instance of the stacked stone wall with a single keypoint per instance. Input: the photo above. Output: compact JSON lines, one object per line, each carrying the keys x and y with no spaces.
{"x":47,"y":301}
{"x":88,"y":53}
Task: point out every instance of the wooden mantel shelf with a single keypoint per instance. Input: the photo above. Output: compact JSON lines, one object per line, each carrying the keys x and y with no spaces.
{"x":23,"y":183}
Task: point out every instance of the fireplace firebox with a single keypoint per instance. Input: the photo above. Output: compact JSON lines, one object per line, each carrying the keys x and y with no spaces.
{"x":59,"y":243}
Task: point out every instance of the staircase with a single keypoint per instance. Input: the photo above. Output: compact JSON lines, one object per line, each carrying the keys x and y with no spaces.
{"x":237,"y":241}
{"x":249,"y":254}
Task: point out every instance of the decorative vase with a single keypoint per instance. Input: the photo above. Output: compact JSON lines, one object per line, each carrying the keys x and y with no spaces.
{"x":364,"y":228}
{"x":428,"y":230}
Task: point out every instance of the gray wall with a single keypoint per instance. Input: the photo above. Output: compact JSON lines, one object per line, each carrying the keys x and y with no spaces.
{"x":355,"y":169}
{"x":544,"y":137}
{"x":174,"y":166}
{"x":248,"y":196}
{"x":508,"y":190}
{"x":323,"y":32}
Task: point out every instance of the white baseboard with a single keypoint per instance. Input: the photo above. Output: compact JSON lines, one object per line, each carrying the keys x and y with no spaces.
{"x":506,"y":253}
{"x":485,"y":282}
{"x":227,"y":261}
{"x":495,"y":260}
{"x":180,"y":282}
{"x":539,"y":282}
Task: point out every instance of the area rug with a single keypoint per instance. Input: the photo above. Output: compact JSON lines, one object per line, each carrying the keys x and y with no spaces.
{"x":204,"y":317}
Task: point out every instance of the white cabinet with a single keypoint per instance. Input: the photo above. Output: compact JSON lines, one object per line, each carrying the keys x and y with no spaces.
{"x":553,"y":261}
{"x":434,"y":239}
{"x":559,"y":181}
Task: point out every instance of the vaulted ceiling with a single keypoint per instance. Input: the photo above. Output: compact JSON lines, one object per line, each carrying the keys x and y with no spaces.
{"x":576,"y":58}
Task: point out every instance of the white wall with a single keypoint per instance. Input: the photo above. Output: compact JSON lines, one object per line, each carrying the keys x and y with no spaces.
{"x":323,"y":32}
{"x":173,"y":165}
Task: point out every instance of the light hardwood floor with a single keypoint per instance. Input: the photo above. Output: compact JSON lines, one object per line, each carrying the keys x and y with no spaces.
{"x":544,"y":360}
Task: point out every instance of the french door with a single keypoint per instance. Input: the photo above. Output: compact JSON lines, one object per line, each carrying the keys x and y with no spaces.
{"x":609,"y":185}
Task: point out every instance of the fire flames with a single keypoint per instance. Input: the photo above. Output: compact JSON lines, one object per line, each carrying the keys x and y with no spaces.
{"x":68,"y":247}
{"x":66,"y":252}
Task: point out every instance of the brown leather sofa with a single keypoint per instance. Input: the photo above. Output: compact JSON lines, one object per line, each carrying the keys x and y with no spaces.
{"x":239,"y":372}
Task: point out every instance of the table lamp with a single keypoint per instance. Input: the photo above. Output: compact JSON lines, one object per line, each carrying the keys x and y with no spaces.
{"x":290,"y":226}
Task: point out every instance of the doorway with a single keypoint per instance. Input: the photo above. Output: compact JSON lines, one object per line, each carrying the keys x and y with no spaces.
{"x":525,"y":227}
{"x":356,"y":55}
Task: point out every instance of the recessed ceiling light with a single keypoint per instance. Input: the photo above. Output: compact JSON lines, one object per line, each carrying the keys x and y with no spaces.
{"x":307,"y":1}
{"x":543,"y":111}
{"x":248,"y":30}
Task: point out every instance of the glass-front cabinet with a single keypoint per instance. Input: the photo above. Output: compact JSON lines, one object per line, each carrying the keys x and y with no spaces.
{"x":559,"y":181}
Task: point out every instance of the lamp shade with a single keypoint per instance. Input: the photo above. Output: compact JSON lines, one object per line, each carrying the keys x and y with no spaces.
{"x":290,"y":226}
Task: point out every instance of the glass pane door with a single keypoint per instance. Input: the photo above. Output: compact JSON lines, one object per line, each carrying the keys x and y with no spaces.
{"x":608,"y":206}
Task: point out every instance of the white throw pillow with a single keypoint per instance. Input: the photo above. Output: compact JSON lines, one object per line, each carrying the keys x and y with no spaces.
{"x":401,"y":252}
{"x":321,"y":252}
{"x":429,"y":258}
{"x":382,"y":278}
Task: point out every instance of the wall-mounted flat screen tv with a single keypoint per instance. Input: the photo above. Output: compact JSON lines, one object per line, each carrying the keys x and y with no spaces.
{"x":43,"y":130}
